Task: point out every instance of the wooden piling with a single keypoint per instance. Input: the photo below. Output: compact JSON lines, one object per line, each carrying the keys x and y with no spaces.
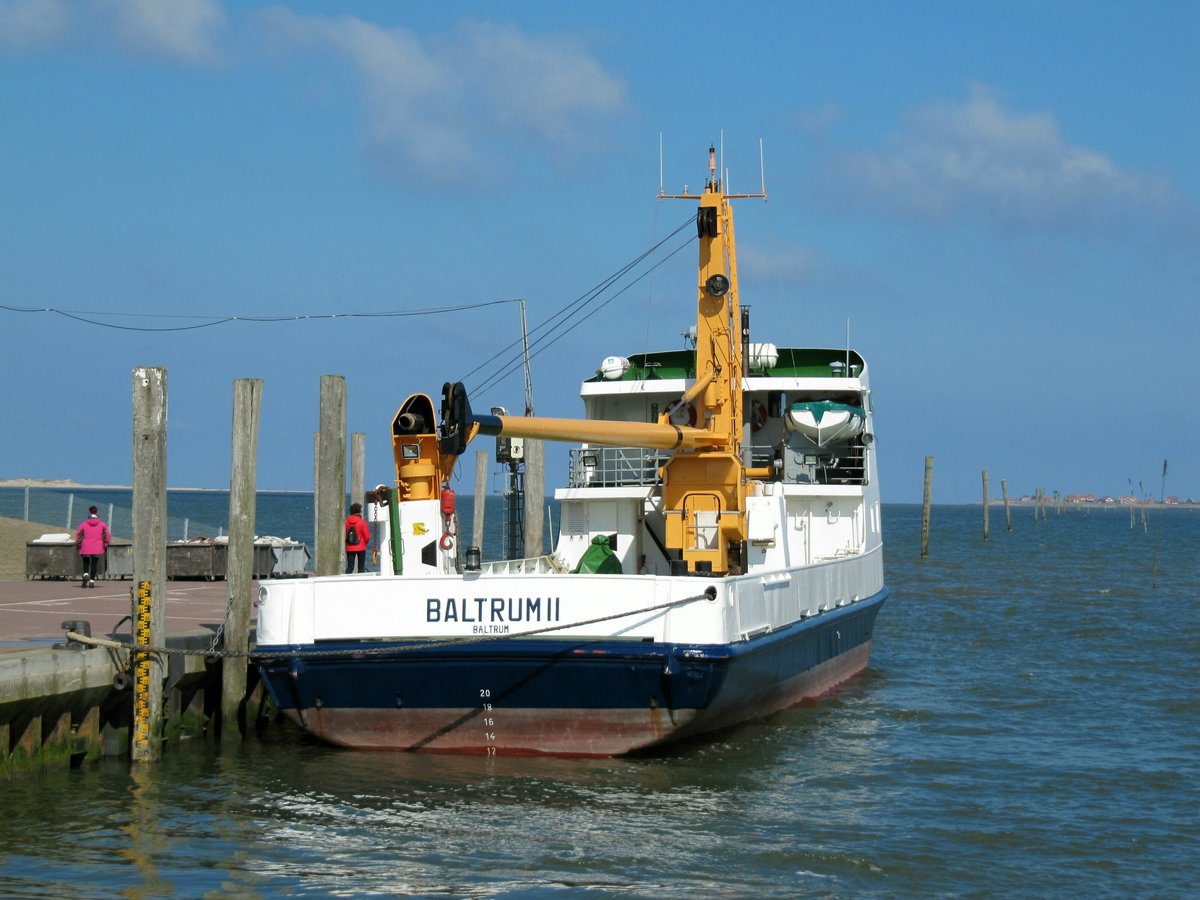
{"x":358,"y":466}
{"x":149,"y":552}
{"x":1007,"y":508}
{"x":985,"y":504}
{"x":247,"y":401}
{"x":481,"y":468}
{"x":925,"y":507}
{"x":316,"y":478}
{"x":331,"y":476}
{"x":535,"y":500}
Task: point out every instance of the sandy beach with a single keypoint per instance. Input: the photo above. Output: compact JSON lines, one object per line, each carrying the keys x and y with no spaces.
{"x":62,"y":483}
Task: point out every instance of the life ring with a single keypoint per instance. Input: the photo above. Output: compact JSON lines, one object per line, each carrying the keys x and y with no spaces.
{"x":676,"y":415}
{"x":758,"y":416}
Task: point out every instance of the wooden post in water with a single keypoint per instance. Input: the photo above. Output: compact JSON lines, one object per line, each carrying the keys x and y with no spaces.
{"x":535,"y":500}
{"x":1007,"y":508}
{"x":239,"y":574}
{"x":149,"y":555}
{"x":481,"y":467}
{"x":331,"y":476}
{"x":358,"y":466}
{"x":985,"y":504}
{"x":925,"y":507}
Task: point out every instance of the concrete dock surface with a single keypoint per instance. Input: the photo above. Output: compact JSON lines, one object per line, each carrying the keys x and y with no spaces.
{"x":32,"y":612}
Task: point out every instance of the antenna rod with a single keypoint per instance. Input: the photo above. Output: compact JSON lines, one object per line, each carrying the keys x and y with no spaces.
{"x":762,"y":169}
{"x":660,"y":163}
{"x":528,"y":373}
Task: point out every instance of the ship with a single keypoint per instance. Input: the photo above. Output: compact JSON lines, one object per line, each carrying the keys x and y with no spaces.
{"x":719,"y":557}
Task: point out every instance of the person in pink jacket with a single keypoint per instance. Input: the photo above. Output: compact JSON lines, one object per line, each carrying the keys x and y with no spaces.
{"x":92,"y":538}
{"x":358,"y":536}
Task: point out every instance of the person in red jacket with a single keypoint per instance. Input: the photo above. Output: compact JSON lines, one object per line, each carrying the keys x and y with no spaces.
{"x":92,"y":538}
{"x":358,"y":535}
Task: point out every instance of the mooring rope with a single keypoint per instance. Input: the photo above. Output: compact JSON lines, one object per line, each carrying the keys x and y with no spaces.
{"x":710,"y":593}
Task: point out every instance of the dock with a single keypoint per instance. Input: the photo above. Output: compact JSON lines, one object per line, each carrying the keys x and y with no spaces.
{"x":68,"y":654}
{"x":62,"y":705}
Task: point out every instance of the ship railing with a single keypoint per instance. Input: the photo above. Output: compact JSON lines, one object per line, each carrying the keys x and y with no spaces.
{"x":550,"y":564}
{"x":851,"y":466}
{"x":637,"y":466}
{"x":761,"y":455}
{"x":634,"y":466}
{"x":614,"y":466}
{"x":844,"y":464}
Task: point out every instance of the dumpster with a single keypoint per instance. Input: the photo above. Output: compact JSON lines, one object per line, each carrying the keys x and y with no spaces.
{"x":291,"y":558}
{"x":56,"y":556}
{"x":209,"y":559}
{"x":120,"y":559}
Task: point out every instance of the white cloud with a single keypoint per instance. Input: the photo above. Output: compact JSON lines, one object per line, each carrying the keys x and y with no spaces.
{"x":1012,"y":169}
{"x":545,"y":84}
{"x":180,"y":30}
{"x":432,"y":105}
{"x":32,"y":23}
{"x":184,"y":30}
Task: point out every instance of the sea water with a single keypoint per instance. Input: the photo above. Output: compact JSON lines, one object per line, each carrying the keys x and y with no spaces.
{"x":1029,"y":727}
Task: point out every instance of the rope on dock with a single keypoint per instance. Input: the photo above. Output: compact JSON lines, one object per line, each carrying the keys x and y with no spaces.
{"x":710,"y":593}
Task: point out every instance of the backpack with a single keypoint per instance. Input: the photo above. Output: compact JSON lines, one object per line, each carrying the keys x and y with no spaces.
{"x":351,"y":536}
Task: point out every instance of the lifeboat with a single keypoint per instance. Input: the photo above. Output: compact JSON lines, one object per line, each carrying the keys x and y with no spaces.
{"x":825,"y":422}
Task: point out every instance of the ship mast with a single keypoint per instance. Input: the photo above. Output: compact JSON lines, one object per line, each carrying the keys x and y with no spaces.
{"x":704,"y":481}
{"x":704,"y":490}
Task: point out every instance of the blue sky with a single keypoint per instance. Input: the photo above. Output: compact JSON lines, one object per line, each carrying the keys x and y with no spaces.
{"x":1001,"y":199}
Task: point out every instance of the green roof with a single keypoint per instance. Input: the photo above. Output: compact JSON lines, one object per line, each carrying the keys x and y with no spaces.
{"x":792,"y":363}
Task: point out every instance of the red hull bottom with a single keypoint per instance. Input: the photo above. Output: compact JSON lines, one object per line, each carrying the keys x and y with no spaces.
{"x":569,"y":732}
